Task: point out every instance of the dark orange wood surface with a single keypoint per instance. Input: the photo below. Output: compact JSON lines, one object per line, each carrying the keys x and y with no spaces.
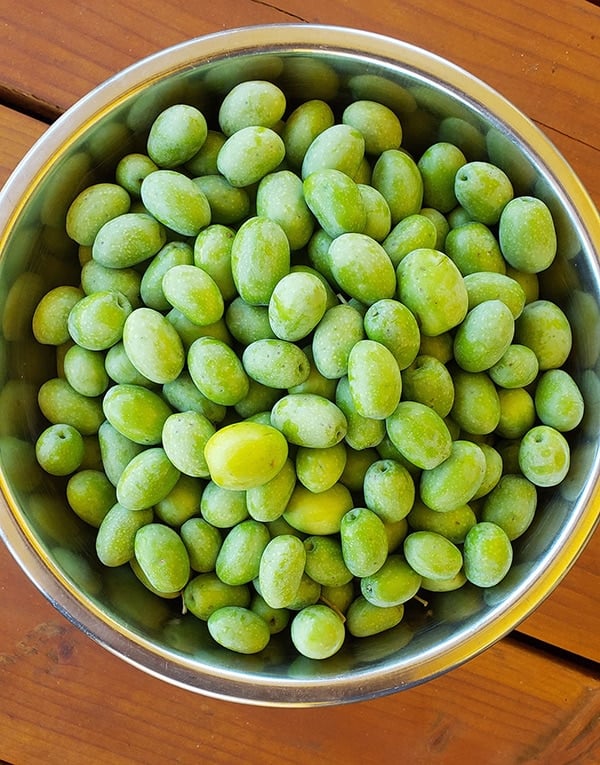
{"x":532,"y":698}
{"x":65,"y":700}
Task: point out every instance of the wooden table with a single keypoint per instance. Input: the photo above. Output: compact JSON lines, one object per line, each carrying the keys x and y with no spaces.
{"x":532,"y":698}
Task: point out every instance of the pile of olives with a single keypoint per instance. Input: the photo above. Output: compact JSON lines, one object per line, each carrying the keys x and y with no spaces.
{"x":317,"y":369}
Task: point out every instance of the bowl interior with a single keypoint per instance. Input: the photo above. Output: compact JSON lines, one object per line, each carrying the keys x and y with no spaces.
{"x":435,"y":101}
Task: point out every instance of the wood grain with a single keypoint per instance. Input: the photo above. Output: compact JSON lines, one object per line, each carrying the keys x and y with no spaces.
{"x":545,"y":57}
{"x":583,"y":158}
{"x":17,"y":134}
{"x":65,"y":700}
{"x":569,"y":618}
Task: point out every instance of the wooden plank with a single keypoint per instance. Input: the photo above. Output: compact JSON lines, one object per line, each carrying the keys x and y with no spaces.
{"x":17,"y":134}
{"x":569,"y":618}
{"x":544,"y":57}
{"x":583,"y":158}
{"x":56,"y":53}
{"x":64,"y":700}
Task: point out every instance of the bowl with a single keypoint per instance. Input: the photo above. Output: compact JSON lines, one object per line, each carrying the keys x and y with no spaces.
{"x":435,"y":101}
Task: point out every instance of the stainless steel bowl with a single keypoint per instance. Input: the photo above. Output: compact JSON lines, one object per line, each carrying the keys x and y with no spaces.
{"x":435,"y":100}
